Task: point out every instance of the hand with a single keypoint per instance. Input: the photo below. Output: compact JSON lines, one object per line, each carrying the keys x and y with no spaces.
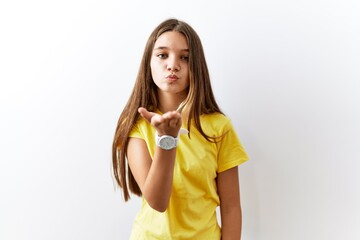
{"x":167,"y":124}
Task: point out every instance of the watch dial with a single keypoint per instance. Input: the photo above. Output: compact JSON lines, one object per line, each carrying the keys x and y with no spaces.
{"x":167,"y":143}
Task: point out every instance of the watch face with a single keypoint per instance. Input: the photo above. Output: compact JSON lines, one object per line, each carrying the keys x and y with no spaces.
{"x":167,"y":143}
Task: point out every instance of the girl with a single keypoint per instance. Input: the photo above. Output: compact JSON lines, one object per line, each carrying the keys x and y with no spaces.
{"x":182,"y":178}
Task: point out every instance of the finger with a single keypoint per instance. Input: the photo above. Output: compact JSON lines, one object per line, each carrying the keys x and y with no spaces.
{"x":172,"y":115}
{"x":146,"y":114}
{"x":173,"y":123}
{"x":156,"y":120}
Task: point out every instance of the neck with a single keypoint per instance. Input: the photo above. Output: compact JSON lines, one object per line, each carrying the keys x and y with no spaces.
{"x":169,"y":101}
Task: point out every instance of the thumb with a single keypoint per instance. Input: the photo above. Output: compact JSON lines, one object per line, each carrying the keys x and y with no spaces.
{"x":146,"y":114}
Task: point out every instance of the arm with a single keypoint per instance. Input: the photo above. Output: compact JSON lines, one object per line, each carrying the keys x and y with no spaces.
{"x":230,"y":208}
{"x":155,"y":176}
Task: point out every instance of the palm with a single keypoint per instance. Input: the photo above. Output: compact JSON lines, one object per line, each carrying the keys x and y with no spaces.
{"x":167,"y":124}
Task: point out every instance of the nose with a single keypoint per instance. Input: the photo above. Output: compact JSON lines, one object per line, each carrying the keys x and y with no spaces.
{"x":173,"y":64}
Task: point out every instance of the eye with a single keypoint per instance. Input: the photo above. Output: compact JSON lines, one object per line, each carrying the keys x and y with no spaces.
{"x":184,"y":58}
{"x":161,"y":55}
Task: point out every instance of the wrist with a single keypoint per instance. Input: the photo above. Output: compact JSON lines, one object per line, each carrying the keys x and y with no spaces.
{"x":174,"y":134}
{"x":166,"y":142}
{"x":160,"y":134}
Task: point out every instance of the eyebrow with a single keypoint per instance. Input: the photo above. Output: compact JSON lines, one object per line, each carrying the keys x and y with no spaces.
{"x":162,"y":48}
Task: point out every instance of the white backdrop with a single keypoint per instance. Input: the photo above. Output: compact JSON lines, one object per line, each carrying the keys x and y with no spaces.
{"x":286,"y":72}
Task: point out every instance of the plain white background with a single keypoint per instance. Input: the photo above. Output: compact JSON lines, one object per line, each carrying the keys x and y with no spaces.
{"x":286,"y":73}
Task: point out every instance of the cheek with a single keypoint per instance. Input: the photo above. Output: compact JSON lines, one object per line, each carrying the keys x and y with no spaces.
{"x":187,"y":74}
{"x":152,"y":69}
{"x":155,"y":67}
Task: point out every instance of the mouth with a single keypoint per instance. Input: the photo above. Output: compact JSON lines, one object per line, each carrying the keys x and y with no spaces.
{"x":172,"y":77}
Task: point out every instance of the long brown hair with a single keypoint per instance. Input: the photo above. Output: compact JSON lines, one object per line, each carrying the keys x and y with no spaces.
{"x":200,"y":99}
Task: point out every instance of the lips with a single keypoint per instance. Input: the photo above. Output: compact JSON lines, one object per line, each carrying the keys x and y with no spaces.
{"x":172,"y":77}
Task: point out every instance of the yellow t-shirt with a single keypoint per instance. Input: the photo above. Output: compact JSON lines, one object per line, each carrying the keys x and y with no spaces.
{"x":191,"y":213}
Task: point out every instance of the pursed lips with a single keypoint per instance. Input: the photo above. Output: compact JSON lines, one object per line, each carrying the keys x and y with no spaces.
{"x":172,"y":77}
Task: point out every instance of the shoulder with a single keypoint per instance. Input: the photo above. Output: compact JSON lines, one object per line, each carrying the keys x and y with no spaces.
{"x":140,"y":128}
{"x":215,"y":122}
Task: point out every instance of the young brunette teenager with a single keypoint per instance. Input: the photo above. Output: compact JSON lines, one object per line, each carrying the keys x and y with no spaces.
{"x":174,"y":147}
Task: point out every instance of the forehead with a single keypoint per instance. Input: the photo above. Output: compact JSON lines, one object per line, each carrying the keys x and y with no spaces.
{"x":172,"y":40}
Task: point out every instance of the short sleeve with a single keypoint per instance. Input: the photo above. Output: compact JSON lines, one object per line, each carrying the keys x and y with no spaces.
{"x":136,"y":131}
{"x":231,"y":153}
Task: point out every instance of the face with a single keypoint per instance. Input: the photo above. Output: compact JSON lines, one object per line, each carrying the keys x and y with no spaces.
{"x":169,"y":63}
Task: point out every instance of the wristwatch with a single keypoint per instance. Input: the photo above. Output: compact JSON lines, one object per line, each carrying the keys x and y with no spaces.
{"x":166,"y":142}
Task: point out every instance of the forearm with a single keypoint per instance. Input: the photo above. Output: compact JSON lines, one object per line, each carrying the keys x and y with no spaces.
{"x":158,"y":184}
{"x":231,"y":223}
{"x":154,"y":175}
